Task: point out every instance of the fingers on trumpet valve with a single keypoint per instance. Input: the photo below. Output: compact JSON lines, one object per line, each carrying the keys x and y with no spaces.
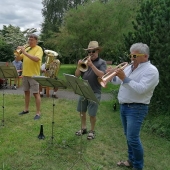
{"x":110,"y":69}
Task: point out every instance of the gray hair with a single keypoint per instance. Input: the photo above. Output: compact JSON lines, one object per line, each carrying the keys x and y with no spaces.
{"x":33,"y":36}
{"x":141,"y":48}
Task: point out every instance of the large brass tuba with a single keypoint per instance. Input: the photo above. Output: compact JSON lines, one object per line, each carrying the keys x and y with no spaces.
{"x":82,"y":66}
{"x":18,"y":52}
{"x":108,"y":76}
{"x":52,"y":65}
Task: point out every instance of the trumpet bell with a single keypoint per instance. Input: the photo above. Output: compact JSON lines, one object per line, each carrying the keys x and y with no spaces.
{"x":18,"y":52}
{"x":83,"y":67}
{"x":83,"y":64}
{"x":108,"y":76}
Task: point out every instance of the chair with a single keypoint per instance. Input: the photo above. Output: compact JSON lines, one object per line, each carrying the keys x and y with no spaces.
{"x":47,"y":90}
{"x":18,"y":81}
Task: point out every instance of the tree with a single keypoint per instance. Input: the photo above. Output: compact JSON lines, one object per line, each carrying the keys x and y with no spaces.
{"x":5,"y":51}
{"x":53,"y":12}
{"x":152,"y":27}
{"x":105,"y":23}
{"x":10,"y":38}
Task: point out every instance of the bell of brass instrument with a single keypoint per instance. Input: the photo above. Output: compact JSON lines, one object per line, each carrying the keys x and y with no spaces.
{"x":52,"y":65}
{"x":18,"y":52}
{"x":108,"y":76}
{"x":83,"y":64}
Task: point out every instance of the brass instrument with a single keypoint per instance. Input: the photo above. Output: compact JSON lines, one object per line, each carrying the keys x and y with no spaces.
{"x":18,"y":52}
{"x":82,"y":66}
{"x":108,"y":76}
{"x":52,"y":65}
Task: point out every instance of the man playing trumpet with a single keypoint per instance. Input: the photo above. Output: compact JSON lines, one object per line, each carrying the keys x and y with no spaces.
{"x":96,"y":68}
{"x":32,"y":57}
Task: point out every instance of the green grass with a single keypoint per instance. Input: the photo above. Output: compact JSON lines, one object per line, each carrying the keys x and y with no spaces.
{"x":22,"y":150}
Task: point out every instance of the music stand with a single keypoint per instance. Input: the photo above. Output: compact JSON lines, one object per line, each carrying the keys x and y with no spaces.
{"x":82,"y":88}
{"x":7,"y":70}
{"x":55,"y":83}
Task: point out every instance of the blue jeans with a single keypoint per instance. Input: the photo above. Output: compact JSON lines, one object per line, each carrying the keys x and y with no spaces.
{"x":132,"y":116}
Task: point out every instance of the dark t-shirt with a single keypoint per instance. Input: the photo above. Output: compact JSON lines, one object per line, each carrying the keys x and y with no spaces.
{"x":92,"y":77}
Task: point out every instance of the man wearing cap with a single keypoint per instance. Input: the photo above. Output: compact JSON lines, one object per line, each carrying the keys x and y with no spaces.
{"x":32,"y":57}
{"x":96,"y":68}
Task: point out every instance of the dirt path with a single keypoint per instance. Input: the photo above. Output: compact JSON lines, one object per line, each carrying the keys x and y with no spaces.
{"x":63,"y":94}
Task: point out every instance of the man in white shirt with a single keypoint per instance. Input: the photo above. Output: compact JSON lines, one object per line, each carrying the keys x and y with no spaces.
{"x":137,"y":84}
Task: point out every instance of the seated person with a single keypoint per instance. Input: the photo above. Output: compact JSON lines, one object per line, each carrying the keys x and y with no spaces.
{"x":18,"y":66}
{"x":43,"y":70}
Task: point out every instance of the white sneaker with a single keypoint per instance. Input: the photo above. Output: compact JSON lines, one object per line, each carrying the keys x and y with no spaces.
{"x":14,"y":87}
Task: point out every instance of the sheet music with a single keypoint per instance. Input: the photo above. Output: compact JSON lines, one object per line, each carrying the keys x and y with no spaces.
{"x":50,"y":82}
{"x":8,"y":71}
{"x":81,"y":87}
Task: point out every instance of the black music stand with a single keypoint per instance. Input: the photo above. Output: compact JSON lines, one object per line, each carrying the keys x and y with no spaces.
{"x":7,"y":70}
{"x":82,"y":88}
{"x":55,"y":83}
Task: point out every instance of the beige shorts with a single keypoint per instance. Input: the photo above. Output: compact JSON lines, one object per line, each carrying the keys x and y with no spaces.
{"x":30,"y":84}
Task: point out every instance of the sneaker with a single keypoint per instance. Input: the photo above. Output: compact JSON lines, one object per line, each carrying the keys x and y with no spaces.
{"x":37,"y":117}
{"x":41,"y":95}
{"x":14,"y":87}
{"x":24,"y":112}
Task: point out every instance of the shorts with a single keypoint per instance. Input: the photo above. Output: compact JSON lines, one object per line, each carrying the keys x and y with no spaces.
{"x":30,"y":84}
{"x":84,"y":105}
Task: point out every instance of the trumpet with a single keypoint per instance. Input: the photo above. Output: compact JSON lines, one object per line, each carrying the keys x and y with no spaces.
{"x":83,"y":64}
{"x":18,"y":52}
{"x":108,"y":76}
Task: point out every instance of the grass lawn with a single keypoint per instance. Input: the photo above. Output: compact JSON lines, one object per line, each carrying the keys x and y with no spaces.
{"x":22,"y":150}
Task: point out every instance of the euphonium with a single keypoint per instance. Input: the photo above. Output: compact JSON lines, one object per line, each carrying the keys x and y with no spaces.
{"x":18,"y":52}
{"x":52,"y":65}
{"x":82,"y":66}
{"x":108,"y":76}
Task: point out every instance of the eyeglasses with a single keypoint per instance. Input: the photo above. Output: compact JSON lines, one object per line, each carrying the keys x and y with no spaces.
{"x":93,"y":51}
{"x":135,"y":55}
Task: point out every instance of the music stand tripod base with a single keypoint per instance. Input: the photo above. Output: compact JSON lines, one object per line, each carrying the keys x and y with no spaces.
{"x":82,"y":88}
{"x":7,"y":70}
{"x":50,"y":82}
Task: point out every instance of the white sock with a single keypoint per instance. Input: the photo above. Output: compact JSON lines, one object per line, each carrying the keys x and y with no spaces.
{"x":54,"y":93}
{"x":41,"y":92}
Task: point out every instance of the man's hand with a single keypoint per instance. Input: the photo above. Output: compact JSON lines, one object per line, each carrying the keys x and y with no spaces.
{"x":120,"y":73}
{"x":22,"y":49}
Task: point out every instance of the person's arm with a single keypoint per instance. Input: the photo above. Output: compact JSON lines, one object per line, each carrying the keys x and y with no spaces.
{"x":98,"y":72}
{"x":31,"y":57}
{"x":149,"y":80}
{"x":78,"y":72}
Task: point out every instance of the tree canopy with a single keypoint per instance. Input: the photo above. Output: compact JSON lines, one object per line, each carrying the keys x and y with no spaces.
{"x":152,"y":27}
{"x":104,"y":22}
{"x":10,"y":38}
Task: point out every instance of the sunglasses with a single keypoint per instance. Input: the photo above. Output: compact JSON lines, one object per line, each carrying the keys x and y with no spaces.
{"x":93,"y":51}
{"x":135,"y":55}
